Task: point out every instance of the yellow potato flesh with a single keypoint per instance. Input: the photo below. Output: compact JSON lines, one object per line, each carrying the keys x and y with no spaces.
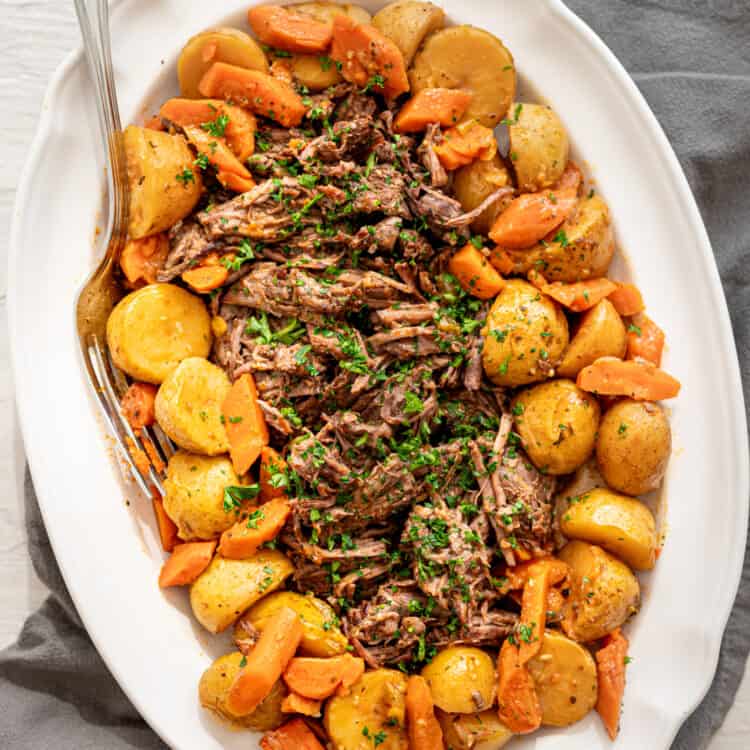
{"x":461,"y":679}
{"x":481,"y":731}
{"x":407,"y":23}
{"x":315,"y":72}
{"x":477,"y":181}
{"x":153,"y":329}
{"x":229,"y":587}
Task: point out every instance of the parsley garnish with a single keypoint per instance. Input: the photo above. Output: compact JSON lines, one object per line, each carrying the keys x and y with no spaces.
{"x":186,"y":176}
{"x":234,"y":495}
{"x":216,"y":127}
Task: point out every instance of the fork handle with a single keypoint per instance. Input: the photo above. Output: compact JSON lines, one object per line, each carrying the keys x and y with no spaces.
{"x":93,"y":20}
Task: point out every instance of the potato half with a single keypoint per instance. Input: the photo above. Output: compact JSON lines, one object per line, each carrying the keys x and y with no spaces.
{"x":153,"y":329}
{"x":164,"y":183}
{"x":482,"y":731}
{"x":314,"y":71}
{"x":565,"y":677}
{"x":464,"y":57}
{"x":325,"y":12}
{"x":407,"y":23}
{"x":227,"y":588}
{"x":188,"y":406}
{"x":461,"y":679}
{"x":477,"y":181}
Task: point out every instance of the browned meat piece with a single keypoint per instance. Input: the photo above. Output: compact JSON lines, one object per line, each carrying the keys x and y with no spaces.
{"x":406,"y":314}
{"x":429,"y":159}
{"x":356,"y":105}
{"x":348,"y":139}
{"x":414,"y":246}
{"x":382,"y":191}
{"x":487,"y":628}
{"x":408,"y":342}
{"x":188,"y":243}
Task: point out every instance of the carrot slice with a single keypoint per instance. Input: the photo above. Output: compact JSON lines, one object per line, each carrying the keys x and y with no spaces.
{"x":137,"y":405}
{"x":320,"y":678}
{"x":235,"y":182}
{"x":519,"y":707}
{"x":186,"y":563}
{"x":216,"y":152}
{"x":154,"y":123}
{"x":501,"y":260}
{"x":237,"y":124}
{"x":581,"y":295}
{"x":142,"y":259}
{"x":272,"y":467}
{"x":244,"y":423}
{"x":167,"y":527}
{"x":422,"y":726}
{"x":262,"y":525}
{"x":519,"y":574}
{"x":610,"y":664}
{"x":287,"y":30}
{"x":627,"y":299}
{"x":260,"y":92}
{"x":534,"y":610}
{"x":368,"y":58}
{"x":294,"y":735}
{"x":474,"y":273}
{"x":466,"y":143}
{"x":532,"y":216}
{"x":298,"y":704}
{"x":442,"y":106}
{"x":205,"y":278}
{"x":645,"y":340}
{"x":272,"y":652}
{"x":609,"y":376}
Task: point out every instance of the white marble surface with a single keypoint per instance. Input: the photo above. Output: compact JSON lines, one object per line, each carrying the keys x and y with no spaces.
{"x":36,"y":35}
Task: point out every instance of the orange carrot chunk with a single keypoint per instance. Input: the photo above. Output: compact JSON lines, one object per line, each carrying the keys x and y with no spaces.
{"x":244,"y":423}
{"x":260,"y":92}
{"x":205,"y":278}
{"x":534,"y":610}
{"x":501,"y":260}
{"x":288,"y":30}
{"x":368,"y":58}
{"x":519,"y":574}
{"x":167,"y":527}
{"x":422,"y":726}
{"x":474,"y":273}
{"x":627,"y":299}
{"x":318,"y":679}
{"x":442,"y":106}
{"x":581,"y":295}
{"x":298,"y":704}
{"x":609,"y":376}
{"x":218,"y":154}
{"x":610,"y":665}
{"x":142,"y":259}
{"x":186,"y":563}
{"x":519,"y":707}
{"x":645,"y":340}
{"x":294,"y":735}
{"x":272,"y":474}
{"x":272,"y":652}
{"x":137,"y":405}
{"x":262,"y":525}
{"x":466,"y":143}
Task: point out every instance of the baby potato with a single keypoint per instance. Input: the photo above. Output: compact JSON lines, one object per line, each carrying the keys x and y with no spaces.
{"x":314,"y":71}
{"x":557,"y":422}
{"x":407,"y":23}
{"x":604,"y":592}
{"x":622,"y":525}
{"x":164,"y":184}
{"x":633,"y":447}
{"x":214,"y":686}
{"x":322,"y":636}
{"x":461,"y":679}
{"x":225,"y":45}
{"x":583,"y":249}
{"x":325,"y":12}
{"x":376,"y":707}
{"x":226,"y":588}
{"x":482,"y":731}
{"x":188,"y":406}
{"x":194,"y":494}
{"x":538,"y":147}
{"x":477,"y":181}
{"x":153,"y":329}
{"x":464,"y":57}
{"x":525,"y":331}
{"x":601,"y":333}
{"x":565,"y":677}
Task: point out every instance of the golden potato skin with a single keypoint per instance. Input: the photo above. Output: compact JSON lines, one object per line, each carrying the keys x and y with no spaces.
{"x":566,"y":681}
{"x":314,"y":71}
{"x":461,"y":679}
{"x":464,"y":57}
{"x":227,"y":588}
{"x":523,"y":329}
{"x":477,"y":181}
{"x":618,"y":523}
{"x":188,"y":406}
{"x":150,"y":331}
{"x":538,"y":147}
{"x":604,"y":593}
{"x":322,"y":636}
{"x":194,"y":494}
{"x":586,"y":254}
{"x":230,"y":46}
{"x":408,"y":23}
{"x":214,"y":686}
{"x":633,"y":447}
{"x":378,"y":702}
{"x":557,"y":422}
{"x":481,"y":731}
{"x":325,"y":12}
{"x":158,"y":199}
{"x":600,"y":333}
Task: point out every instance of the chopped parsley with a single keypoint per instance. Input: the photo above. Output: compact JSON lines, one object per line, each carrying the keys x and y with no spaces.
{"x":235,"y":495}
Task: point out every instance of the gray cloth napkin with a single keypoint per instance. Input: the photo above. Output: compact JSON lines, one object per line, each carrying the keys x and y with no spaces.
{"x":691,"y":60}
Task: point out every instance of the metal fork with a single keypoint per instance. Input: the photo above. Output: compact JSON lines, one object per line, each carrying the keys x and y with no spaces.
{"x":103,"y":290}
